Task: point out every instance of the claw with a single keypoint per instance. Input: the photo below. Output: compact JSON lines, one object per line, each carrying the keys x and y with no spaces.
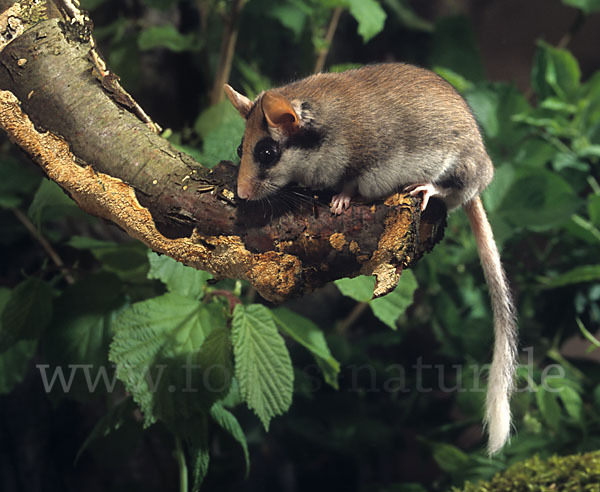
{"x":428,"y":191}
{"x":340,"y":202}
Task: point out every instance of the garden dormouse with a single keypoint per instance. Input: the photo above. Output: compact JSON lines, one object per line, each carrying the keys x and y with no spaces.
{"x":374,"y":131}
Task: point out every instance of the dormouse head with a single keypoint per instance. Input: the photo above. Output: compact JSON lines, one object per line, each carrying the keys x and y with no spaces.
{"x":271,"y":121}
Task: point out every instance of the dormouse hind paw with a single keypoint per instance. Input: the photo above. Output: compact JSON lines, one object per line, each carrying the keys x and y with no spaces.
{"x":428,"y":189}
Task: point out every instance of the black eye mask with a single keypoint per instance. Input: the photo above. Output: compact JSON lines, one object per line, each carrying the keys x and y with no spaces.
{"x":267,"y":152}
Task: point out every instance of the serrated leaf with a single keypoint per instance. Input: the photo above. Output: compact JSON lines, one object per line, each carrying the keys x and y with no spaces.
{"x":17,"y":181}
{"x":178,"y":278}
{"x":358,"y":288}
{"x":127,"y":260}
{"x":112,"y":421}
{"x":160,"y":4}
{"x":459,"y":82}
{"x":407,"y":16}
{"x":538,"y":200}
{"x":14,"y":361}
{"x":262,"y":362}
{"x":51,"y":202}
{"x":450,"y":458}
{"x":549,"y":408}
{"x":167,"y":37}
{"x":572,"y":402}
{"x":221,"y":128}
{"x":222,"y":143}
{"x":27,"y":312}
{"x":597,"y":397}
{"x":229,"y":423}
{"x":588,"y":6}
{"x":289,"y":16}
{"x":594,"y":209}
{"x":91,"y":4}
{"x":579,"y":274}
{"x":555,"y":72}
{"x":81,"y":330}
{"x":195,"y":433}
{"x":156,"y":348}
{"x":595,"y":343}
{"x":391,"y":306}
{"x":455,"y":47}
{"x":387,"y":309}
{"x":307,"y":334}
{"x":370,"y":17}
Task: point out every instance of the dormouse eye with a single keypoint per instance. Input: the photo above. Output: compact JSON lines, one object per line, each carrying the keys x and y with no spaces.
{"x":239,"y":151}
{"x":267,"y":152}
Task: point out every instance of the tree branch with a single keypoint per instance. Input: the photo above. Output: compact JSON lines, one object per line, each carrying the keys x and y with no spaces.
{"x":230,"y":33}
{"x":75,"y":123}
{"x":333,"y":23}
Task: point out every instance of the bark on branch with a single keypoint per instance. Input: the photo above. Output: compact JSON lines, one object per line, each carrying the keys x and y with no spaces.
{"x":61,"y":105}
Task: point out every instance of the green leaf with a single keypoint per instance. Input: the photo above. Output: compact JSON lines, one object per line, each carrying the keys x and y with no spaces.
{"x":14,"y":364}
{"x":504,"y":177}
{"x":342,"y":67}
{"x":307,"y":334}
{"x":91,"y":4}
{"x":460,"y":83}
{"x":580,"y":274}
{"x":158,"y":348}
{"x":597,"y":397}
{"x":14,"y":361}
{"x":407,"y":16}
{"x":358,"y":288}
{"x":588,"y":6}
{"x":370,"y":17}
{"x":262,"y":362}
{"x":455,"y":48}
{"x":549,"y":408}
{"x":196,"y":437}
{"x":494,"y":106}
{"x":127,"y":260}
{"x":572,"y":403}
{"x":583,"y":229}
{"x":114,"y":419}
{"x":555,"y":72}
{"x":178,"y":278}
{"x":595,"y":343}
{"x":391,"y":306}
{"x":50,"y":203}
{"x":538,"y":200}
{"x":290,"y":16}
{"x":229,"y":423}
{"x":27,"y":312}
{"x":221,"y":128}
{"x":254,"y":81}
{"x":81,"y":331}
{"x":594,"y":209}
{"x":216,"y":116}
{"x":387,"y":308}
{"x":450,"y":458}
{"x":167,"y":37}
{"x":160,"y":4}
{"x":17,"y":181}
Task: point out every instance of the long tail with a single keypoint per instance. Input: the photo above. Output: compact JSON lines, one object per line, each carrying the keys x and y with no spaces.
{"x":504,"y":361}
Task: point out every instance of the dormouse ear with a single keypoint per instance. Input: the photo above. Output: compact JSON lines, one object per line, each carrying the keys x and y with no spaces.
{"x":239,"y":101}
{"x":279,"y":112}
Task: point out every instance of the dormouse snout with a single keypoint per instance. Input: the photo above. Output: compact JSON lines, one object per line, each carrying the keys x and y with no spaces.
{"x":270,"y":121}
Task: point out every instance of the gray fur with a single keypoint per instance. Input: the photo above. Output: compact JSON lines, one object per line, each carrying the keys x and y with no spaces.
{"x":377,"y":130}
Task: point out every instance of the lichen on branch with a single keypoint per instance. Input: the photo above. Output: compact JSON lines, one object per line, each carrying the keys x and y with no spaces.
{"x":68,"y":113}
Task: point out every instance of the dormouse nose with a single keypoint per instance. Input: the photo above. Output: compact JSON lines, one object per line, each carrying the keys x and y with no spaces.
{"x":243,"y":191}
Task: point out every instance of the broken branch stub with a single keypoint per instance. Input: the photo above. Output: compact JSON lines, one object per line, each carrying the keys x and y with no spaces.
{"x":72,"y":118}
